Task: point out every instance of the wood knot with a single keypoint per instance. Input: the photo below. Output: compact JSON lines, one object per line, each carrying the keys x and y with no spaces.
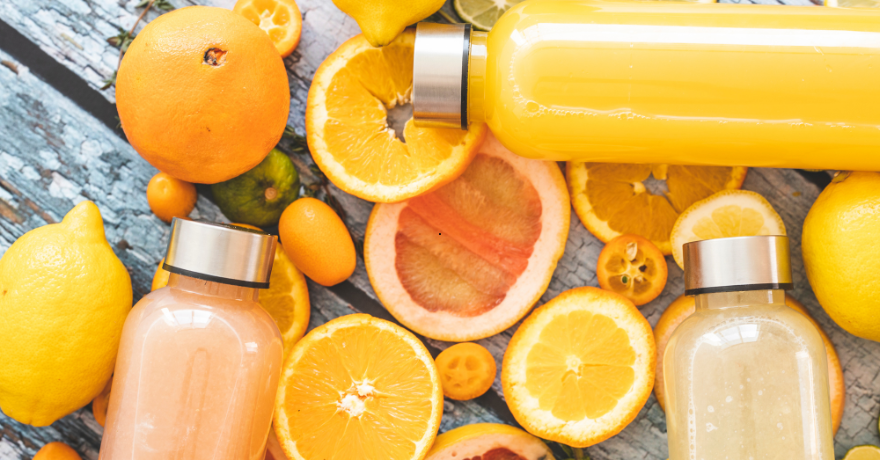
{"x":215,"y":57}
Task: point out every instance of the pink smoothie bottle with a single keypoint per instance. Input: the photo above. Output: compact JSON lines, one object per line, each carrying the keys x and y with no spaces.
{"x":199,"y":359}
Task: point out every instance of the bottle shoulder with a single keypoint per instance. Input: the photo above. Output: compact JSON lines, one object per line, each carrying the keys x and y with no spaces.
{"x":737,"y":323}
{"x":179,"y":309}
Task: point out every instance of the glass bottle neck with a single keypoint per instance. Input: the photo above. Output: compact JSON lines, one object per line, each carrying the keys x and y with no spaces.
{"x":719,"y":300}
{"x":476,"y":78}
{"x":211,"y":288}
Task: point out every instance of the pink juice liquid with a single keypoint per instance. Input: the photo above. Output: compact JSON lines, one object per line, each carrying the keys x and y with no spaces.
{"x":196,"y":376}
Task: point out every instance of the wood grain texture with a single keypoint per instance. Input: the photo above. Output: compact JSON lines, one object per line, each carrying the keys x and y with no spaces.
{"x":55,"y":155}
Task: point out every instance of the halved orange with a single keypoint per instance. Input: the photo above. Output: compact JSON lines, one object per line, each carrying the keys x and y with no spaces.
{"x":632,"y":267}
{"x":470,"y":259}
{"x":349,"y":133}
{"x":684,"y":306}
{"x":358,"y":387}
{"x":613,"y":199}
{"x":580,"y":367}
{"x":280,"y":19}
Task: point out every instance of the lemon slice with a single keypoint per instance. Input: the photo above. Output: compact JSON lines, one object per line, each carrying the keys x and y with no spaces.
{"x":725,"y":214}
{"x":482,"y":13}
{"x":863,"y":453}
{"x":580,"y":368}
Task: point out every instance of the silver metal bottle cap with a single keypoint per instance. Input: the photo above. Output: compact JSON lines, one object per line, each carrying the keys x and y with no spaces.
{"x":745,"y":263}
{"x":440,"y":72}
{"x":220,"y":252}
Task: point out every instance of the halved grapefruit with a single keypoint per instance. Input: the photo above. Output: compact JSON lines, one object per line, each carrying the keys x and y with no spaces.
{"x":488,"y":441}
{"x":471,"y":258}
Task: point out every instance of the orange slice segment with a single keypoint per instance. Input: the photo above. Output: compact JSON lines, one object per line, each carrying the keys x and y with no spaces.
{"x":358,"y":387}
{"x":470,"y":259}
{"x":683,"y":307}
{"x":632,"y":267}
{"x":280,"y":19}
{"x":645,"y":200}
{"x":349,"y":133}
{"x":580,"y":367}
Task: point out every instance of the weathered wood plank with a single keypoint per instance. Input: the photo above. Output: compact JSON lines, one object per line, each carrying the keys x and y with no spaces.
{"x":59,"y":26}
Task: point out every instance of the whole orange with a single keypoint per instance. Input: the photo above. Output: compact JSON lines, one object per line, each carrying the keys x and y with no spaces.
{"x":317,"y":241}
{"x":169,"y":197}
{"x":202,"y":94}
{"x":57,"y":451}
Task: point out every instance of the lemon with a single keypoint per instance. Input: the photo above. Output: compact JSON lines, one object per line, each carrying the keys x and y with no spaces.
{"x":865,"y":452}
{"x":383,"y":20}
{"x":840,"y":243}
{"x":64,"y":296}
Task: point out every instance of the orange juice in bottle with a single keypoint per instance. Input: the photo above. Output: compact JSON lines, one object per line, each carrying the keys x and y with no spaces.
{"x":662,"y":82}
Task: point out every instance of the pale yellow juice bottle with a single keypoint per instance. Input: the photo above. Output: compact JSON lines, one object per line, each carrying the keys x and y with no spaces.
{"x":745,"y":375}
{"x":662,"y":82}
{"x":199,"y":360}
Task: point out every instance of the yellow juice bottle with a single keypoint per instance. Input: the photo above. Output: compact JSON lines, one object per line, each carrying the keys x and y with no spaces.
{"x":662,"y":82}
{"x":746,"y":376}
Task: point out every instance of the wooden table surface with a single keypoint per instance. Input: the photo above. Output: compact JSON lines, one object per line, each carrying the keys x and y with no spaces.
{"x":60,"y":144}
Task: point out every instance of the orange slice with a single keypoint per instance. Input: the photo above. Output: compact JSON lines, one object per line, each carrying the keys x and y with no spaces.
{"x":358,"y":387}
{"x":725,"y":214}
{"x":684,"y":306}
{"x":100,"y":403}
{"x":616,"y":199}
{"x":632,"y":267}
{"x":471,"y":258}
{"x":280,"y":19}
{"x":580,"y":367}
{"x":467,"y":370}
{"x":488,"y":441}
{"x":347,"y":125}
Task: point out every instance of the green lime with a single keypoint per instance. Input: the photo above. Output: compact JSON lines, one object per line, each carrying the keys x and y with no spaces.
{"x":259,"y":196}
{"x":863,"y":453}
{"x":482,"y":13}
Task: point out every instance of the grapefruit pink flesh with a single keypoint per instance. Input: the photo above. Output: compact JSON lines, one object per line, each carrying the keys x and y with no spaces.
{"x":469,"y":240}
